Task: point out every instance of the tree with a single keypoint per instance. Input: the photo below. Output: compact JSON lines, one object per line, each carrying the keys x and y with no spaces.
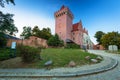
{"x":36,"y":31}
{"x":7,"y":24}
{"x":3,"y":40}
{"x":27,"y":32}
{"x":111,"y":38}
{"x":55,"y":41}
{"x":6,"y":27}
{"x":98,"y":36}
{"x":45,"y":33}
{"x":2,"y":2}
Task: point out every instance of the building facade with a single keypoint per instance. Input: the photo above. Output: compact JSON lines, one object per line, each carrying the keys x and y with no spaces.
{"x":66,"y":30}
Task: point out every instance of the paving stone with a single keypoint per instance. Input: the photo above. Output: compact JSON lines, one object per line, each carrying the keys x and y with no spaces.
{"x":108,"y":75}
{"x":94,"y":60}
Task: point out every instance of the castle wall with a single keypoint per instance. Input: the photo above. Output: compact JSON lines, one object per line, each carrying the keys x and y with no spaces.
{"x":69,"y":28}
{"x":77,"y":37}
{"x":32,"y":41}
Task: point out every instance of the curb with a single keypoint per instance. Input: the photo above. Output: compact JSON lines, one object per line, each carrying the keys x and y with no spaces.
{"x":29,"y":74}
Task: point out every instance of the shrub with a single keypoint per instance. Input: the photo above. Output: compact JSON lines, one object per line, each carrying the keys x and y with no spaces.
{"x":18,"y":49}
{"x":41,"y":47}
{"x":4,"y":54}
{"x":72,"y":46}
{"x":29,"y":54}
{"x":55,"y":41}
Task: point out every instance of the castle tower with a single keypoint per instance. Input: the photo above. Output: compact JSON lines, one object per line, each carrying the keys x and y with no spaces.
{"x":63,"y":23}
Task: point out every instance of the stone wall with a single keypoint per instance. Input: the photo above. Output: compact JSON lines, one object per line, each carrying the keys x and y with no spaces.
{"x":99,"y":47}
{"x":32,"y":41}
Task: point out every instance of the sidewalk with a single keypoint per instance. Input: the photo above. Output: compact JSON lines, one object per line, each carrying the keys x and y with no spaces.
{"x":105,"y":65}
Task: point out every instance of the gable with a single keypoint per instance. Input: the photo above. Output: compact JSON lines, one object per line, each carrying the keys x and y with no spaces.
{"x":75,"y":27}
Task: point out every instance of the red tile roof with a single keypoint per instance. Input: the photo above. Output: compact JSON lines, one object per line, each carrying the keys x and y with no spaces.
{"x":75,"y":27}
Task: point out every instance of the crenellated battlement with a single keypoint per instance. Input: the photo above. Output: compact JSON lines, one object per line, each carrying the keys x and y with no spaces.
{"x":63,"y":11}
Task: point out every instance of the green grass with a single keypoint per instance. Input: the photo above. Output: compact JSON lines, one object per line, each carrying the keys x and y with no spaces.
{"x":62,"y":57}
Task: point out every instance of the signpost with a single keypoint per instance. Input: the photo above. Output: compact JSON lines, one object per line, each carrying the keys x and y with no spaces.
{"x":13,"y":50}
{"x":13,"y":46}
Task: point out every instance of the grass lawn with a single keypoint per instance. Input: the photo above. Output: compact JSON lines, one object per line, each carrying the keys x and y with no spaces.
{"x":60,"y":57}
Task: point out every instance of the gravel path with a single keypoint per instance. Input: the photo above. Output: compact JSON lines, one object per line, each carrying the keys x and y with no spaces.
{"x":113,"y":74}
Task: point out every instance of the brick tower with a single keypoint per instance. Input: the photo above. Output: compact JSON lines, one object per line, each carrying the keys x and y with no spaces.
{"x":63,"y":23}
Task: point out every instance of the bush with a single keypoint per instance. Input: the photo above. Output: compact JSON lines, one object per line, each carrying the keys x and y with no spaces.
{"x":29,"y":54}
{"x":55,"y":41}
{"x":41,"y":47}
{"x":72,"y":46}
{"x":4,"y":54}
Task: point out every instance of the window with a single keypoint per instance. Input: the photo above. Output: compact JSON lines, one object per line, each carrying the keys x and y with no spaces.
{"x":73,"y":33}
{"x":73,"y":38}
{"x":60,"y":32}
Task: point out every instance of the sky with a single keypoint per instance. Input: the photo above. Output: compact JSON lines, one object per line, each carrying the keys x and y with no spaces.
{"x":96,"y":15}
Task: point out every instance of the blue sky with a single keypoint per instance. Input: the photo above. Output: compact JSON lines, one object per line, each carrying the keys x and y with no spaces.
{"x":96,"y":15}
